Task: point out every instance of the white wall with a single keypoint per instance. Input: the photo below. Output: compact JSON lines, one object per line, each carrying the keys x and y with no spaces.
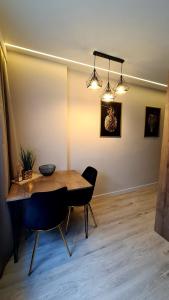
{"x":124,"y":162}
{"x":42,"y":93}
{"x":39,"y":94}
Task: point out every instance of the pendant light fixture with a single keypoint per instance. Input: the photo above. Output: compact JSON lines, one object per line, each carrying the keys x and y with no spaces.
{"x":94,"y":81}
{"x":108,"y":94}
{"x":122,"y":87}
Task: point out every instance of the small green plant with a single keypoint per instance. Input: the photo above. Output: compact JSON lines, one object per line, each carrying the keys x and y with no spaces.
{"x":27,"y":159}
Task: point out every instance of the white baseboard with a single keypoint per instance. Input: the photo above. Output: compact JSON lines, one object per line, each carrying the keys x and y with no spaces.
{"x":128,"y":190}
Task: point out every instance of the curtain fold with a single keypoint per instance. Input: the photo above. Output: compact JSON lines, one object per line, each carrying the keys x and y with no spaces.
{"x":8,"y":160}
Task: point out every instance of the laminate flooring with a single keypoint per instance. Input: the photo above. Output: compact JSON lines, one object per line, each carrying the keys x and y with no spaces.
{"x":123,"y":258}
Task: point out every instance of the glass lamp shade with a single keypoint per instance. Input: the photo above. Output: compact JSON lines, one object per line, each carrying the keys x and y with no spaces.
{"x":108,"y":95}
{"x":94,"y":82}
{"x":121,"y":88}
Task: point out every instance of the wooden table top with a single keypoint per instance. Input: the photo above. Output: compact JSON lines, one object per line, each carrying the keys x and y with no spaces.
{"x":71,"y":179}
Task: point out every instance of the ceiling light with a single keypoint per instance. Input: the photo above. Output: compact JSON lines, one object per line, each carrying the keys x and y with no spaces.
{"x":94,"y":81}
{"x":122,"y":87}
{"x":108,"y":95}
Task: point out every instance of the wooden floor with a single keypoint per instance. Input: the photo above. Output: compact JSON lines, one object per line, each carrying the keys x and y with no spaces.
{"x":122,"y":259}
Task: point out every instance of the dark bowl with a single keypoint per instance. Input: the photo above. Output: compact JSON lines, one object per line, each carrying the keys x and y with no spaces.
{"x":47,"y":170}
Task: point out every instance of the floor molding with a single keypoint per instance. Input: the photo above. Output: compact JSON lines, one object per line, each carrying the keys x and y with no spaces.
{"x":127,"y":190}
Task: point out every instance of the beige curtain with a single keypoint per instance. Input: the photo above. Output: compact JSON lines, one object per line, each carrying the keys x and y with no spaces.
{"x":8,"y":142}
{"x":8,"y":159}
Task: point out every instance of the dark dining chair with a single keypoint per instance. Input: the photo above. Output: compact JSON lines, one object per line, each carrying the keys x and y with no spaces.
{"x":82,"y":197}
{"x":45,"y":211}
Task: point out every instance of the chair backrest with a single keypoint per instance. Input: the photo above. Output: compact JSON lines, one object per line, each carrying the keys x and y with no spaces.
{"x":90,"y":174}
{"x":45,"y":210}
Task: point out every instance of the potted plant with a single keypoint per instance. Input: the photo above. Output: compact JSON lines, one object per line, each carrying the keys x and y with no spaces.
{"x":27,"y":161}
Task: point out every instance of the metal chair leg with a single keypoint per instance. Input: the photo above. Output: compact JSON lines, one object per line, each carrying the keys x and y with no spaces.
{"x":92,"y":215}
{"x":64,"y":240}
{"x":86,"y":220}
{"x":33,"y":252}
{"x":68,"y":219}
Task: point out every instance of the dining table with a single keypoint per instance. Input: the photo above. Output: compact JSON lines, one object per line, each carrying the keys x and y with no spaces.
{"x":21,"y":191}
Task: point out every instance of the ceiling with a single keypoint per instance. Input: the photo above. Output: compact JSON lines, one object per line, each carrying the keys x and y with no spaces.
{"x":135,"y":30}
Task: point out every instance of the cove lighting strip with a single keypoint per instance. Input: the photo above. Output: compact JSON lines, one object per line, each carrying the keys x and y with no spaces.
{"x":80,"y":63}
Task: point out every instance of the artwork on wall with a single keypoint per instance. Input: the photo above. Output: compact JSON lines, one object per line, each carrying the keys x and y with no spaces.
{"x":110,"y":119}
{"x":152,"y":121}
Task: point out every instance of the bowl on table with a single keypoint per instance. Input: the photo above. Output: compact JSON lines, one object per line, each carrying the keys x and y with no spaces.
{"x":47,"y":170}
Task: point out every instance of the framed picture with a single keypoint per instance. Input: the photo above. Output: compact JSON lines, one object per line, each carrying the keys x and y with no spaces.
{"x":110,"y":119}
{"x":152,"y":122}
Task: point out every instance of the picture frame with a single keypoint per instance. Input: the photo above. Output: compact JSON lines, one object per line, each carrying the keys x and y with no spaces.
{"x":110,"y":119}
{"x":152,"y":121}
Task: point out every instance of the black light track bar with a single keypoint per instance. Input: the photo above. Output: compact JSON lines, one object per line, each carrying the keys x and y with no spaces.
{"x":109,"y":57}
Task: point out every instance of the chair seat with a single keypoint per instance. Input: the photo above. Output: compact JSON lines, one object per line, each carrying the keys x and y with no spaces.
{"x":79,"y":197}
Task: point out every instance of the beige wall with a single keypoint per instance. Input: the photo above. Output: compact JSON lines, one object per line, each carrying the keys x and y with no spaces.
{"x":39,"y":94}
{"x":43,"y":94}
{"x":125,"y":162}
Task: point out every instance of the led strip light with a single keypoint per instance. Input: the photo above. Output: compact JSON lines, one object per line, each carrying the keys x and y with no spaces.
{"x":80,"y":63}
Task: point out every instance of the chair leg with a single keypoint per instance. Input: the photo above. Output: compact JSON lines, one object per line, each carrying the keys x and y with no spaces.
{"x":64,"y":240}
{"x":92,"y":215}
{"x":68,"y":219}
{"x":33,"y":252}
{"x":86,"y":220}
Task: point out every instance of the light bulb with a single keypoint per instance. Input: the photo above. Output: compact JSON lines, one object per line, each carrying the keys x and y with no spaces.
{"x":108,"y":97}
{"x":121,"y":89}
{"x":94,"y":85}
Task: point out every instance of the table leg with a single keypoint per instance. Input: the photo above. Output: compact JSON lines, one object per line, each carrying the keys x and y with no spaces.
{"x":15,"y":208}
